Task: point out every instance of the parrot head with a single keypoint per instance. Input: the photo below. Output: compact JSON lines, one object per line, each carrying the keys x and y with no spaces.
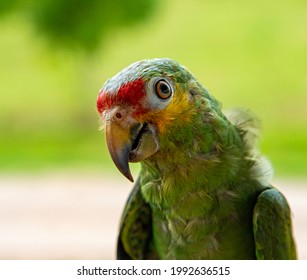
{"x":142,"y":106}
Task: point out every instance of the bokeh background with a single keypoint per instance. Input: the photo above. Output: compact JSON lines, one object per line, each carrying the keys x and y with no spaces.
{"x":60,"y":194}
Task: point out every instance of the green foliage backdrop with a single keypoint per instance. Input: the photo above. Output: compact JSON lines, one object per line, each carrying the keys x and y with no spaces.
{"x":248,"y":54}
{"x":79,"y":23}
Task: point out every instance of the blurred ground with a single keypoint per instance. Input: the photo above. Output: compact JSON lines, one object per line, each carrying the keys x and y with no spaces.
{"x":75,"y":216}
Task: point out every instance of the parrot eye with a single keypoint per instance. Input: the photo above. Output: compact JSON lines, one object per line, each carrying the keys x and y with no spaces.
{"x":163,"y":89}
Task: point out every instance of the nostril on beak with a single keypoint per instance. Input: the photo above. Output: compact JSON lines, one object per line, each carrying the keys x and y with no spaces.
{"x":118,"y":115}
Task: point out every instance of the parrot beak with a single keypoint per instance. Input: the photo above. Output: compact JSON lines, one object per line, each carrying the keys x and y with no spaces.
{"x":129,"y":141}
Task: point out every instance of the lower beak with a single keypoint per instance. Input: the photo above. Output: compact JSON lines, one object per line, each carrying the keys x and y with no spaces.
{"x":130,"y":142}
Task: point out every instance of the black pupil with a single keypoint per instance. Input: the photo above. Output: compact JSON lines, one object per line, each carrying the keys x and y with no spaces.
{"x":164,"y":89}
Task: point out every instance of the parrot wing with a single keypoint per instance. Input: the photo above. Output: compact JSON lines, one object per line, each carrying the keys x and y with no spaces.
{"x":134,"y":240}
{"x":272,"y":227}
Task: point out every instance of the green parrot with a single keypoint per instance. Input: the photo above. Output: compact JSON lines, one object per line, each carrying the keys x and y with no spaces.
{"x":204,"y":190}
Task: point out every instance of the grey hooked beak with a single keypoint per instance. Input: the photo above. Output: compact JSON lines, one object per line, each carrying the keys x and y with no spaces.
{"x":129,"y":141}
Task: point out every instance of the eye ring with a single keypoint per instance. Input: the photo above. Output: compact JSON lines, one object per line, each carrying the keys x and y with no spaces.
{"x":163,"y":89}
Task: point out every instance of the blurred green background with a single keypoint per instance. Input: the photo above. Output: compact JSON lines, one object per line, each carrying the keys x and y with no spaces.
{"x":55,"y":56}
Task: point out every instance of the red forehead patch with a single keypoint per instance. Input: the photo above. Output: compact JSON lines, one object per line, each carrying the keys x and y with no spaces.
{"x":130,"y":94}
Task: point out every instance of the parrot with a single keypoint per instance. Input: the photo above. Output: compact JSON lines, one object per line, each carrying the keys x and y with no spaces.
{"x":204,"y":190}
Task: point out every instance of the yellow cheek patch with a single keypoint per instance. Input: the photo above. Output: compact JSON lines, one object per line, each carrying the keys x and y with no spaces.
{"x":179,"y":110}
